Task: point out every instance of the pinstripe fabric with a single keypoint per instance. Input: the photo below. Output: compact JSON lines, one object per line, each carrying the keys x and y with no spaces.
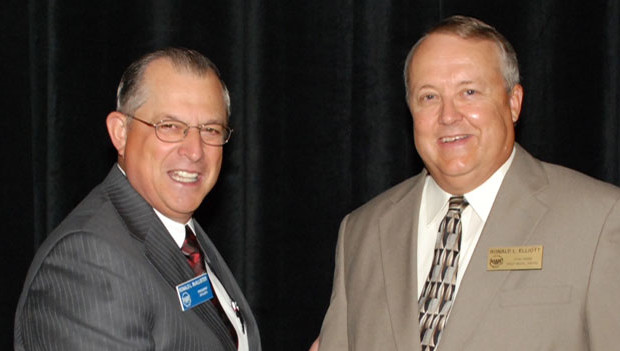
{"x":105,"y":278}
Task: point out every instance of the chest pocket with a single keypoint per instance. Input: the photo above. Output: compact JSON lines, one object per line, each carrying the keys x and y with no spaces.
{"x":547,"y":295}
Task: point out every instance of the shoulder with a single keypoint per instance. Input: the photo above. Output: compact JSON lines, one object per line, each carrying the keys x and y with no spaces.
{"x":89,"y":271}
{"x":91,"y":242}
{"x":397,"y":204}
{"x":391,"y":197}
{"x":560,"y":176}
{"x":556,"y":185}
{"x":94,"y":219}
{"x":88,"y":250}
{"x":567,"y":186}
{"x":573,"y":200}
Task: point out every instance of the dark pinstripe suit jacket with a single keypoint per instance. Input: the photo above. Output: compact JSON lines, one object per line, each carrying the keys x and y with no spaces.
{"x":105,"y":280}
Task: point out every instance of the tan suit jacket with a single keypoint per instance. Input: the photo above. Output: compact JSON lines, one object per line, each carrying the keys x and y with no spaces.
{"x":571,"y":304}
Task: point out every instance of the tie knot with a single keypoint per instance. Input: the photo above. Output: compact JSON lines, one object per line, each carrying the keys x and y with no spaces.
{"x":190,"y":237}
{"x":457,"y":204}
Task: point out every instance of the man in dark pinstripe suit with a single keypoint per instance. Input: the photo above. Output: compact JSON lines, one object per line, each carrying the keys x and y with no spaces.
{"x":106,"y":278}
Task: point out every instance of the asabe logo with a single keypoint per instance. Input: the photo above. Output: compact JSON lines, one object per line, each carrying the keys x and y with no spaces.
{"x":186,"y":299}
{"x":496,"y":261}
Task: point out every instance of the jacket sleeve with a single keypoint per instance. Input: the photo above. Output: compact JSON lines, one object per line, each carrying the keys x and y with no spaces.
{"x":602,"y":304}
{"x":334,"y":332}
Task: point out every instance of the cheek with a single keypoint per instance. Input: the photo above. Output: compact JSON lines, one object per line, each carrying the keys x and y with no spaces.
{"x":422,"y":125}
{"x":425,"y":138}
{"x":214,"y":159}
{"x":495,"y":132}
{"x":424,"y":144}
{"x":161,"y":153}
{"x":484,"y":117}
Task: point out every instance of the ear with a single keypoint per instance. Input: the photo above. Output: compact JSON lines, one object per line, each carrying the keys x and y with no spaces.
{"x":117,"y":128}
{"x":515,"y":100}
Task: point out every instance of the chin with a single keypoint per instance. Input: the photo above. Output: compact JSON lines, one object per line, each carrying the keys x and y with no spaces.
{"x":455,"y":168}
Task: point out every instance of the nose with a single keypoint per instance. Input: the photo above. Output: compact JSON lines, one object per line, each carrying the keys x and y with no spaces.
{"x":192,"y":146}
{"x":449,"y":112}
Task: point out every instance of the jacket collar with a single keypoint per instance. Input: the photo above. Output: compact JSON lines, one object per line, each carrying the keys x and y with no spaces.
{"x":159,"y":246}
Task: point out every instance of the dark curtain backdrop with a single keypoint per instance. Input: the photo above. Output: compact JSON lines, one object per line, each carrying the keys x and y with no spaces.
{"x":320,"y":119}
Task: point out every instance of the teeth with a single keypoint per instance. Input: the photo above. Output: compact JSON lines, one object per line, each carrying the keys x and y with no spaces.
{"x":451,"y":139}
{"x":184,"y":177}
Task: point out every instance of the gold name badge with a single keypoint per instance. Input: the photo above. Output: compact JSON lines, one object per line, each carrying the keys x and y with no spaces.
{"x":515,"y":258}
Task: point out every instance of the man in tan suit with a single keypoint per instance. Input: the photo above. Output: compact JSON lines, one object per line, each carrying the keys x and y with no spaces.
{"x":534,"y":248}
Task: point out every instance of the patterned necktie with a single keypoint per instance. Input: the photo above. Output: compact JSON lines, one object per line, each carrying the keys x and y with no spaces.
{"x":436,"y":299}
{"x":194,"y":256}
{"x":191,"y":250}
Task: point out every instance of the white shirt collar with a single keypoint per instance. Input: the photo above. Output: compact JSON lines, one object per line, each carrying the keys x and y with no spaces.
{"x":480,"y":199}
{"x":121,"y":169}
{"x":176,"y":229}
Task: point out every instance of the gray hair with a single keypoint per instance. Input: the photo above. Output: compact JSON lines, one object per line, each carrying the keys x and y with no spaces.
{"x":472,"y":28}
{"x":130,"y":94}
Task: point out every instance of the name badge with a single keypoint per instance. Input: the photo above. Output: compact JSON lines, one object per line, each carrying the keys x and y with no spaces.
{"x":194,"y":292}
{"x":515,"y":258}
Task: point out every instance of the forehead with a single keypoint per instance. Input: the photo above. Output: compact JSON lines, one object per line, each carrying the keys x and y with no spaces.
{"x":443,"y":51}
{"x":166,"y":85}
{"x":163,"y":73}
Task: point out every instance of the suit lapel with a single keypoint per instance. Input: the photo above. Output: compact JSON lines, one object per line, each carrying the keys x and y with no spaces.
{"x":159,"y":247}
{"x":223,"y":273}
{"x":397,"y":228}
{"x":515,"y":213}
{"x":162,"y":252}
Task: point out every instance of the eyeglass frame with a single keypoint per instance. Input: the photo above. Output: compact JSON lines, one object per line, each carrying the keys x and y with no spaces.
{"x":185,"y":131}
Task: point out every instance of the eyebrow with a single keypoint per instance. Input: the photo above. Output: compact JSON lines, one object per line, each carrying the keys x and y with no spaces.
{"x":168,"y":117}
{"x":426,"y":86}
{"x":430,"y":86}
{"x":465,"y":82}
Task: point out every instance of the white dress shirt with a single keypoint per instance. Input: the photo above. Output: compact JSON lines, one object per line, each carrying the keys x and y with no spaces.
{"x":433,"y":209}
{"x":177,"y":231}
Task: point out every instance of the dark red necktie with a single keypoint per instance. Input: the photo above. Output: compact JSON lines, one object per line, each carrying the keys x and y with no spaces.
{"x":192,"y":252}
{"x":194,"y":256}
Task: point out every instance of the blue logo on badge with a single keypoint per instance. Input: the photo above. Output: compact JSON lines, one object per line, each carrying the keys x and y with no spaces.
{"x":194,"y":292}
{"x":186,"y":299}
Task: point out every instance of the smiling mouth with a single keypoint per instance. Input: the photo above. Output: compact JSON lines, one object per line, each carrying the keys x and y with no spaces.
{"x":184,"y":176}
{"x":452,"y":139}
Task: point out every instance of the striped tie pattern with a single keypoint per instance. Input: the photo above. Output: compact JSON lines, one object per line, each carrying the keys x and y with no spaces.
{"x":437,"y":296}
{"x":193,"y":254}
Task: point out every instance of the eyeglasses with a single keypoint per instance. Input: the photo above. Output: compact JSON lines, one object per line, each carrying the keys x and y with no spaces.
{"x":173,"y":131}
